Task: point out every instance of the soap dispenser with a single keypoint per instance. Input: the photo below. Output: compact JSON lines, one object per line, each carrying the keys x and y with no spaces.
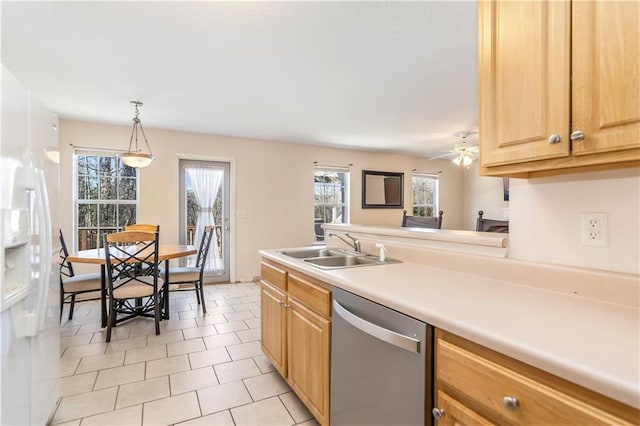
{"x":383,"y":251}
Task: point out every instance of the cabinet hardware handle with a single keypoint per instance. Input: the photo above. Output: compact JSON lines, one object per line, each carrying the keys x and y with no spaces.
{"x":554,"y":139}
{"x":578,"y":135}
{"x":287,"y":306}
{"x":511,"y":402}
{"x":437,"y":413}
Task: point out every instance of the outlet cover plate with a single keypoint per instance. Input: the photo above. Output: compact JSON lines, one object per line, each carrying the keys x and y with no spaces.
{"x":594,"y":230}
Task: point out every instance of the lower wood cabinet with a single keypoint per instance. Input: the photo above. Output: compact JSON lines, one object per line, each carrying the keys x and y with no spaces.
{"x":273,"y":315}
{"x":296,"y":333}
{"x":477,"y":386}
{"x":309,"y":344}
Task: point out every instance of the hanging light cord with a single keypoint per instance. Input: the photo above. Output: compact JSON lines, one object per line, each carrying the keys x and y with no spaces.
{"x":134,"y":132}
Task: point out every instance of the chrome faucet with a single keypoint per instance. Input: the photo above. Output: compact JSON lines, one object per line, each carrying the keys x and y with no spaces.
{"x":355,"y":243}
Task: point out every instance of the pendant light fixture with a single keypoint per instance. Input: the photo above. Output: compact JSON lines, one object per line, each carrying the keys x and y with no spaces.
{"x":136,"y":157}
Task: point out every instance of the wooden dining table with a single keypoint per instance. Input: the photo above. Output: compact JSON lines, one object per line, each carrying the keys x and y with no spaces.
{"x":166,"y":252}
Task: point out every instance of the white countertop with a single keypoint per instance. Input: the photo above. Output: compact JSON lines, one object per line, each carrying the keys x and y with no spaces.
{"x":589,"y":342}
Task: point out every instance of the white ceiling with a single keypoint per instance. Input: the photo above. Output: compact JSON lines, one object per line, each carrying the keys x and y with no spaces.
{"x":393,"y":76}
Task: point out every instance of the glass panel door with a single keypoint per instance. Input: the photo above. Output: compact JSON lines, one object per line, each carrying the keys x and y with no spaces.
{"x":204,"y":200}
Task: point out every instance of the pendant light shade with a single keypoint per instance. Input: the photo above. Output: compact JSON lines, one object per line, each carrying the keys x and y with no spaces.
{"x":137,"y":157}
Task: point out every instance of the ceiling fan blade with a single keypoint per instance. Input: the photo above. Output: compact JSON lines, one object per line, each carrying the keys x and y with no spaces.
{"x":448,"y":154}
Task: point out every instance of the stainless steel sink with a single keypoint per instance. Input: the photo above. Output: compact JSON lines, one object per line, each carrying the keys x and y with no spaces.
{"x":334,"y":258}
{"x":306,"y":253}
{"x":336,"y":262}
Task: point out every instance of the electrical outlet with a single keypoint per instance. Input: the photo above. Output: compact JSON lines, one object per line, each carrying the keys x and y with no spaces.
{"x":594,"y":230}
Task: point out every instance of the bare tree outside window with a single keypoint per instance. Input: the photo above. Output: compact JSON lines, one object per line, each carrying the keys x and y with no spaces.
{"x":330,"y":198}
{"x":425,"y":195}
{"x":106,"y":197}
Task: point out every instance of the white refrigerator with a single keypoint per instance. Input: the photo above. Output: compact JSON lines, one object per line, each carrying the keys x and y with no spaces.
{"x":29,"y":283}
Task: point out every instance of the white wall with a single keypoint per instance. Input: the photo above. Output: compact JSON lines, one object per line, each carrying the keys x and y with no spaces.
{"x":482,"y":193}
{"x":545,"y":219}
{"x":273,"y":205}
{"x":545,"y":216}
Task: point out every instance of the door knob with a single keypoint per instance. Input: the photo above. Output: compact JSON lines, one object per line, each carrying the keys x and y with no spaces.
{"x":578,"y":135}
{"x":554,"y":139}
{"x":437,"y":413}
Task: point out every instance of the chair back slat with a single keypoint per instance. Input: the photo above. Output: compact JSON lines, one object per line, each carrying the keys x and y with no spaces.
{"x":422,"y":222}
{"x":205,"y":243}
{"x":130,"y":255}
{"x":491,"y":225}
{"x":66,"y":268}
{"x":142,"y":227}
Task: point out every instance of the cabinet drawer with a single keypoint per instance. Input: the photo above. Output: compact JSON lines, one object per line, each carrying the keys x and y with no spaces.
{"x":487,"y":383}
{"x":313,"y":295}
{"x":274,"y":275}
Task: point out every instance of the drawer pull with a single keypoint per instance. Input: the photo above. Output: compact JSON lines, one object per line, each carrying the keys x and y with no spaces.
{"x":511,"y":402}
{"x":437,"y":413}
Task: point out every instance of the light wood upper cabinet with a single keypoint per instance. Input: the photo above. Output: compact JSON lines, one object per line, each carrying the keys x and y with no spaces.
{"x":606,"y":75}
{"x":550,"y":68}
{"x":524,"y":80}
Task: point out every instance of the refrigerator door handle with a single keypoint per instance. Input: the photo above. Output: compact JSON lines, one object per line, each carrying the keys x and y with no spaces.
{"x":400,"y":340}
{"x":44,"y":219}
{"x":28,"y":321}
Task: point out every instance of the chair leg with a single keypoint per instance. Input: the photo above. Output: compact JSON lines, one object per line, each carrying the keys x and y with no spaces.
{"x":112,"y":318}
{"x":204,"y":307}
{"x":195,"y":284}
{"x":61,"y":303}
{"x":73,"y":303}
{"x":156,"y":312}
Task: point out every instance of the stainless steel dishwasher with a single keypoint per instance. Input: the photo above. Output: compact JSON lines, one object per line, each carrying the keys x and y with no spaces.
{"x":381,"y":364}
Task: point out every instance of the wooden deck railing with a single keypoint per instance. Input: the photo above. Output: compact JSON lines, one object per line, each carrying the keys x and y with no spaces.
{"x":88,"y":240}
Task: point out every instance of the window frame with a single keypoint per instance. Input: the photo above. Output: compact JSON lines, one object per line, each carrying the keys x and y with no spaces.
{"x":76,"y":228}
{"x":345,"y":205}
{"x":415,"y":207}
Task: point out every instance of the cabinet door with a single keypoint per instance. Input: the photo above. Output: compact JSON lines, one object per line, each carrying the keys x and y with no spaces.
{"x":457,"y":414}
{"x":273,"y":326}
{"x":524,"y":80}
{"x":309,"y":339}
{"x":606,"y":75}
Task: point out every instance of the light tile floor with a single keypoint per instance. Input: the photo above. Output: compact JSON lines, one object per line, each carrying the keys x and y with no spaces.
{"x":201,"y":369}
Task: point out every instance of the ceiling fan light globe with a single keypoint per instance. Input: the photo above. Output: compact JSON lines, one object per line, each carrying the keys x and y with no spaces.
{"x":457,"y":160}
{"x":467,"y":160}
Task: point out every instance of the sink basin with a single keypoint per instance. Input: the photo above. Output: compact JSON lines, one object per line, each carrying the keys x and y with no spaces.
{"x":336,"y":262}
{"x":334,"y":258}
{"x":311,"y":252}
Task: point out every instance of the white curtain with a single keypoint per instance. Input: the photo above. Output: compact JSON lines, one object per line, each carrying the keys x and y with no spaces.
{"x":205,"y":182}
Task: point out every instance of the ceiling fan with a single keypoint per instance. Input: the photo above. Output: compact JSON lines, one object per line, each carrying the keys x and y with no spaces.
{"x":463,"y":153}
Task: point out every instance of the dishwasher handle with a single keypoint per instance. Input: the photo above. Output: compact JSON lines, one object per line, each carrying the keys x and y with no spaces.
{"x":400,"y":340}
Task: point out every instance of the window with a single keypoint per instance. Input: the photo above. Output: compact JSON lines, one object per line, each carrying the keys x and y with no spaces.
{"x":330,"y":198}
{"x":106,"y":197}
{"x":425,"y":195}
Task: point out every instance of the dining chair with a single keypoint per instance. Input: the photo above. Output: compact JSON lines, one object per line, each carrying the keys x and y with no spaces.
{"x":71,"y":284}
{"x":491,"y":225}
{"x":194,"y":274}
{"x":127,"y":281}
{"x":145,"y":227}
{"x":421,"y":221}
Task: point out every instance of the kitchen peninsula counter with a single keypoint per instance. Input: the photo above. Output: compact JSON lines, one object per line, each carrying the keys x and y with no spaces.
{"x":580,"y":325}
